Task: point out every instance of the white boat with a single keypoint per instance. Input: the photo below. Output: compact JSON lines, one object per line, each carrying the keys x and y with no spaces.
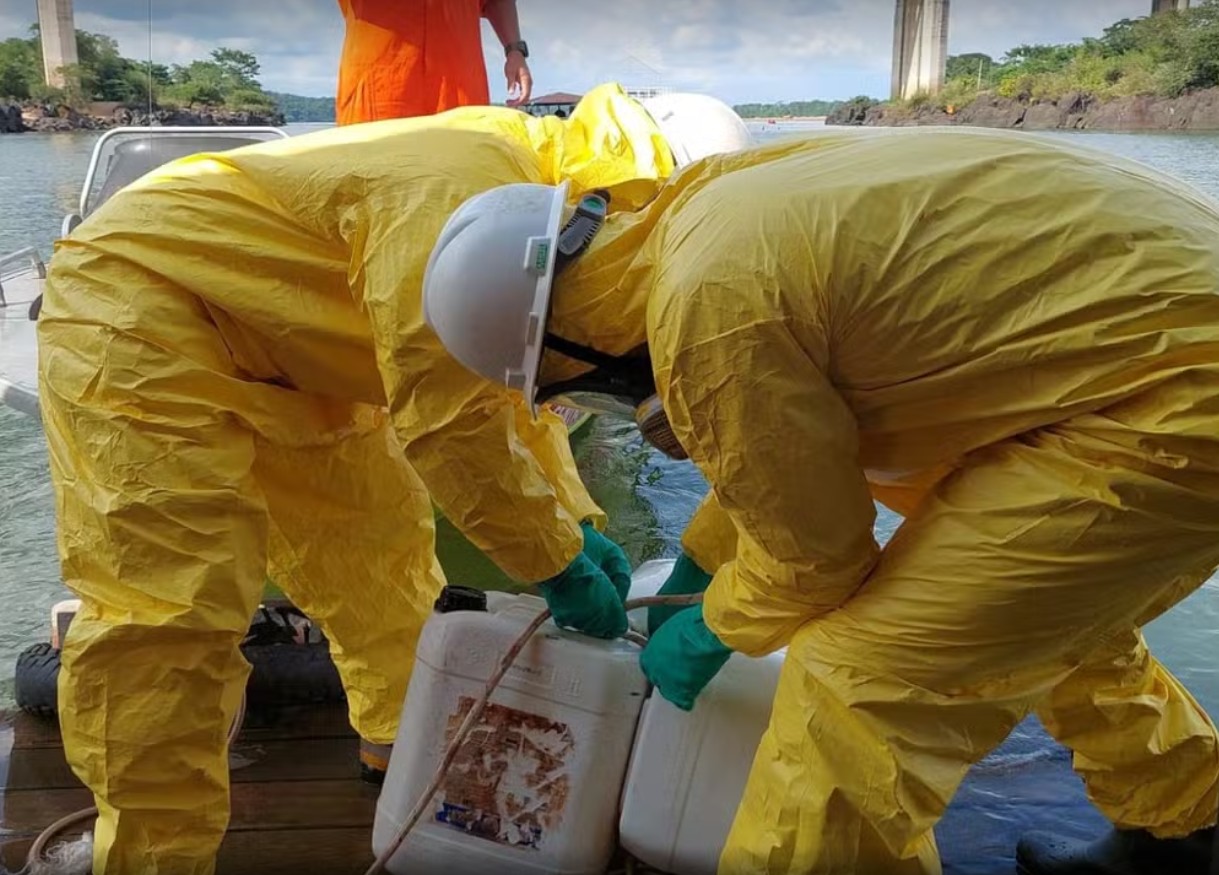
{"x":21,"y":277}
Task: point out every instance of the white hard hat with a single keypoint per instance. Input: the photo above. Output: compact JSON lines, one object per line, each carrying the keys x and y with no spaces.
{"x":697,"y":125}
{"x":487,"y":286}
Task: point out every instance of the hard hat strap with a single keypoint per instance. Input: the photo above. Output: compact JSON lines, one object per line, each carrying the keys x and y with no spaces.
{"x":628,"y":376}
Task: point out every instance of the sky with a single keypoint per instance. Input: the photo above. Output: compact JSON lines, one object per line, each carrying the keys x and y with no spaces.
{"x":742,"y":51}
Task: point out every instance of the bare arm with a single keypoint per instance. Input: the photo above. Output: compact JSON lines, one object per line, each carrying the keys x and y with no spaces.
{"x":503,"y":17}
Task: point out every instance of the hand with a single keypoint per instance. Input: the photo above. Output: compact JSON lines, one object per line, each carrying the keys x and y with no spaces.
{"x":609,"y":557}
{"x":683,"y":657}
{"x":686,"y":578}
{"x":516,"y":72}
{"x":582,"y":598}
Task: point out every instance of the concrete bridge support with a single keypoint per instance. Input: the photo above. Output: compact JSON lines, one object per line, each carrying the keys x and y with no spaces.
{"x":1158,"y":6}
{"x":920,"y":47}
{"x":57,"y":24}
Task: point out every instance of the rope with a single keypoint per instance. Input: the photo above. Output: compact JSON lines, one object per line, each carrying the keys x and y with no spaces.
{"x":472,"y":718}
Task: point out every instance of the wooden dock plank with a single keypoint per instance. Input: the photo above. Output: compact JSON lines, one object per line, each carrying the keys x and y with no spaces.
{"x":270,"y":805}
{"x":344,"y":851}
{"x":311,"y":721}
{"x":303,"y":805}
{"x":308,"y":759}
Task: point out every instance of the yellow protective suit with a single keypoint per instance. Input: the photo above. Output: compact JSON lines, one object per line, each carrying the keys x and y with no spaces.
{"x":1015,"y":343}
{"x":219,"y":343}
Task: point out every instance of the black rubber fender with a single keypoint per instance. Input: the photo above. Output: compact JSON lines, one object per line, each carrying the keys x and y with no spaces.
{"x":282,"y":674}
{"x":36,"y":679}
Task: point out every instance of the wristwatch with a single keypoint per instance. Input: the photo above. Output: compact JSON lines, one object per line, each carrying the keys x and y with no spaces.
{"x":518,"y":46}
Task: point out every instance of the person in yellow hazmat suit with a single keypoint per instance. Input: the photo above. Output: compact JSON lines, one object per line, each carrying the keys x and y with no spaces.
{"x":1011,"y":342}
{"x":236,"y":377}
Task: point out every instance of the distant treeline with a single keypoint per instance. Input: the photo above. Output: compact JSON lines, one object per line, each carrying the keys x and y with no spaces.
{"x":806,"y":108}
{"x":304,"y":109}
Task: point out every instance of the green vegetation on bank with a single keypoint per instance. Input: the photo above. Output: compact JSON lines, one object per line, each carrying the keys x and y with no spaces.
{"x":1165,"y":55}
{"x":228,"y":78}
{"x":304,"y":109}
{"x":802,"y":108}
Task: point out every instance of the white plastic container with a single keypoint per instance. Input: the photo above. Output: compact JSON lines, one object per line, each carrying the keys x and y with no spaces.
{"x":647,"y":581}
{"x":61,"y":618}
{"x":688,"y":769}
{"x":536,"y":786}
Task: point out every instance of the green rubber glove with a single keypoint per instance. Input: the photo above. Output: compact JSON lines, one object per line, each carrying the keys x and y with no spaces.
{"x":682,"y":657}
{"x":609,"y":557}
{"x":581,"y":597}
{"x":686,"y":578}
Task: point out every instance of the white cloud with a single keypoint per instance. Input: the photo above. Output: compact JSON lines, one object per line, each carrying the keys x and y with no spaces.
{"x":741,"y":51}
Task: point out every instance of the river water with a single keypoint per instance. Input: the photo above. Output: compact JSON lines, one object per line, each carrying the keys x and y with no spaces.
{"x":648,"y":497}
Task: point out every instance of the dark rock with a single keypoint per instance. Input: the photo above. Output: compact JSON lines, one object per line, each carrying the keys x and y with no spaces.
{"x":44,"y":118}
{"x":201,"y":117}
{"x":1197,"y":111}
{"x":992,"y":112}
{"x":11,"y":121}
{"x":905,"y":116}
{"x":853,"y":112}
{"x":1043,"y":116}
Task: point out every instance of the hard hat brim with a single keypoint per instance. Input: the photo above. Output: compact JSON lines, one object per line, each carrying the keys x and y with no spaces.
{"x":535,"y":343}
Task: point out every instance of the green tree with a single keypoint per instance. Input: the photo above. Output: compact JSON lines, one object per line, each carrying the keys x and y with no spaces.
{"x":1201,"y":45}
{"x":199,"y":82}
{"x":240,"y":69}
{"x":1119,"y":38}
{"x":304,"y":109}
{"x":970,"y":67}
{"x":20,"y":67}
{"x":229,"y":77}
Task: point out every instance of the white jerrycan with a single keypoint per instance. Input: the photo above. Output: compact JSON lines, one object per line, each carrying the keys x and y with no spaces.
{"x":535,"y":787}
{"x":688,"y":769}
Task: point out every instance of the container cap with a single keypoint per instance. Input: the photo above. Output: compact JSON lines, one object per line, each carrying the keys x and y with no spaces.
{"x":460,"y":598}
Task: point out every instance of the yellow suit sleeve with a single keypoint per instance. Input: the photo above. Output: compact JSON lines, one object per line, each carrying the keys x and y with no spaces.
{"x":710,"y":538}
{"x":778,"y":445}
{"x":463,"y":436}
{"x":549,"y":440}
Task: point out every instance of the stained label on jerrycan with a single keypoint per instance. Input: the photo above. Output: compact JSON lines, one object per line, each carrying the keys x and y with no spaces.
{"x":509,"y":781}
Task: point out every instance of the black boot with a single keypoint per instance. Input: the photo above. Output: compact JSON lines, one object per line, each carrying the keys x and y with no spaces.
{"x":1121,"y":852}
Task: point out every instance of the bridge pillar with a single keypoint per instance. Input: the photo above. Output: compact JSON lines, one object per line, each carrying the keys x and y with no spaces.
{"x":57,"y":24}
{"x":1158,"y":6}
{"x":920,"y":47}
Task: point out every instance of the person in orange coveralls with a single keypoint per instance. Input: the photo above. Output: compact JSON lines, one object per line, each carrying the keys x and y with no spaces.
{"x":418,"y":57}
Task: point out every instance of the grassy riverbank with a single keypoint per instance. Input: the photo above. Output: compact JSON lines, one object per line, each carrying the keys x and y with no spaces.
{"x":1158,"y":72}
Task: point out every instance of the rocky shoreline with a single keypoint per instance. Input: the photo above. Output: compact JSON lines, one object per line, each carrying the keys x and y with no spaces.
{"x":1198,"y":111}
{"x":40,"y":118}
